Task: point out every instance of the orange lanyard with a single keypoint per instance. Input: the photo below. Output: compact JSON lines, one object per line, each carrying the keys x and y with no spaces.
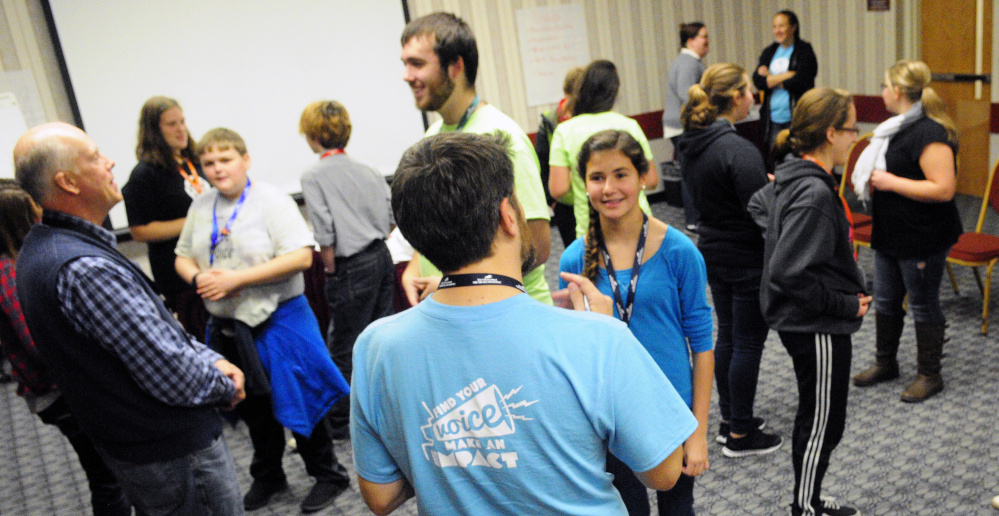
{"x":331,"y":152}
{"x":846,"y":207}
{"x":191,"y":177}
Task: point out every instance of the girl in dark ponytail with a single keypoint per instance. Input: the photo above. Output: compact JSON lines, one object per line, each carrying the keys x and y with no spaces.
{"x":658,"y":281}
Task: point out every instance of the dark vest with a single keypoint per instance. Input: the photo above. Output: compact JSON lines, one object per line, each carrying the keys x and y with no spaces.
{"x":112,"y":409}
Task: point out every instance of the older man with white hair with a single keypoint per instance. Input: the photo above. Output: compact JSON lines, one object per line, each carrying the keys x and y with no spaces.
{"x":144,"y":390}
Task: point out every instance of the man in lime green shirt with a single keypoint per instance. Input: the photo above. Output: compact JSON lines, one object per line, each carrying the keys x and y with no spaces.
{"x":441,"y":61}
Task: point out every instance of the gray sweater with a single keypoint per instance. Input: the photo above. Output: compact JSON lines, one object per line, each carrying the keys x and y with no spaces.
{"x":684,"y":73}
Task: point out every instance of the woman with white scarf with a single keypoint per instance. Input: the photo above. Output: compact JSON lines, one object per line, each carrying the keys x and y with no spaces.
{"x":910,"y":171}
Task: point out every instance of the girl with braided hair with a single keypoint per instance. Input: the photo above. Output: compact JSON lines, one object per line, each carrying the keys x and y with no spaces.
{"x":658,"y":281}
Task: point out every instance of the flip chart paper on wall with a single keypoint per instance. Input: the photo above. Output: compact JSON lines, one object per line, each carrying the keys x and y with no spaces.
{"x":553,"y":40}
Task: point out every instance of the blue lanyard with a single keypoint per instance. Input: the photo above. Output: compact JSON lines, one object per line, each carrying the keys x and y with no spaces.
{"x":468,"y":114}
{"x":624,"y":310}
{"x":219,"y":236}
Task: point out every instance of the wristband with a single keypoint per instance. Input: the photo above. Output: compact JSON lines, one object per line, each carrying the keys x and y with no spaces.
{"x":194,"y":279}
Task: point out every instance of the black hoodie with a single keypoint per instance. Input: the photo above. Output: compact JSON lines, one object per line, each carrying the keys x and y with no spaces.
{"x":811,"y":278}
{"x":722,"y":171}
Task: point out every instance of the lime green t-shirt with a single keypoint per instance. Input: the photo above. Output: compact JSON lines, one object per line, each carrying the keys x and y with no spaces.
{"x":527,"y":183}
{"x":568,"y":140}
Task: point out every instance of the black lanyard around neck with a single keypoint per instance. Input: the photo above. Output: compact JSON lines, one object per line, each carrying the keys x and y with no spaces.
{"x":624,"y":310}
{"x":479,"y":280}
{"x":468,"y":114}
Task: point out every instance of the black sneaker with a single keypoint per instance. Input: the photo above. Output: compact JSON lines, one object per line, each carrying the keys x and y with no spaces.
{"x":723,"y":429}
{"x":321,"y":496}
{"x":260,"y":493}
{"x":754,"y":443}
{"x":831,"y":508}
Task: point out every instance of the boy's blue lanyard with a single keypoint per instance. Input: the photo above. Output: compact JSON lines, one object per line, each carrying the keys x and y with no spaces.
{"x":468,"y":114}
{"x":218,"y":236}
{"x":624,"y":310}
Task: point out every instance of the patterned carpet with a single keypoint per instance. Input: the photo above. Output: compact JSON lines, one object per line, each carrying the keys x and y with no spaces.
{"x":938,"y":458}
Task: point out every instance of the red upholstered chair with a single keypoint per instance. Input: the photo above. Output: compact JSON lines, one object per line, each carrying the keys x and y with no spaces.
{"x":979,"y":249}
{"x":861,"y":221}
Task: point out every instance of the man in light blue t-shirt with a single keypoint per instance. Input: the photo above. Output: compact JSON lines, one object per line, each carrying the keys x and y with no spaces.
{"x":482,"y":400}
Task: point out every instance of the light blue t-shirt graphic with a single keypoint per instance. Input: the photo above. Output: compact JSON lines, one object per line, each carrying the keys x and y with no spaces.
{"x":509,"y":407}
{"x":780,"y":99}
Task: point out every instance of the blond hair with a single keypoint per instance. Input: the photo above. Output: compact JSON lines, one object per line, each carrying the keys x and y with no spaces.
{"x":713,"y":96}
{"x":913,"y":80}
{"x":221,"y":139}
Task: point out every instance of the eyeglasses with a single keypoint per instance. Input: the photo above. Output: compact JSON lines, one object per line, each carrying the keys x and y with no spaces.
{"x":854,"y":130}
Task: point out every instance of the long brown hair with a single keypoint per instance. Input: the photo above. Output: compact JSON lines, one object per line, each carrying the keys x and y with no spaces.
{"x":596,"y":90}
{"x":153,"y":147}
{"x":610,"y":139}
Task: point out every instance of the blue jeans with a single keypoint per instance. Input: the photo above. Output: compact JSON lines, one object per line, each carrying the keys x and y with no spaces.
{"x":203,"y":483}
{"x":742,"y":331}
{"x":359,"y":292}
{"x":919,"y":277}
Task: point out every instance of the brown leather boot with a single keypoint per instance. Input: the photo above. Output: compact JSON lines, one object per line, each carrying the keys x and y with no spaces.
{"x":929,"y":345}
{"x":889,"y":331}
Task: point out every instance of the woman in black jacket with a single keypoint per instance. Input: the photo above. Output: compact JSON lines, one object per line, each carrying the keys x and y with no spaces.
{"x":722,"y":171}
{"x":785,"y":71}
{"x":812,"y":291}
